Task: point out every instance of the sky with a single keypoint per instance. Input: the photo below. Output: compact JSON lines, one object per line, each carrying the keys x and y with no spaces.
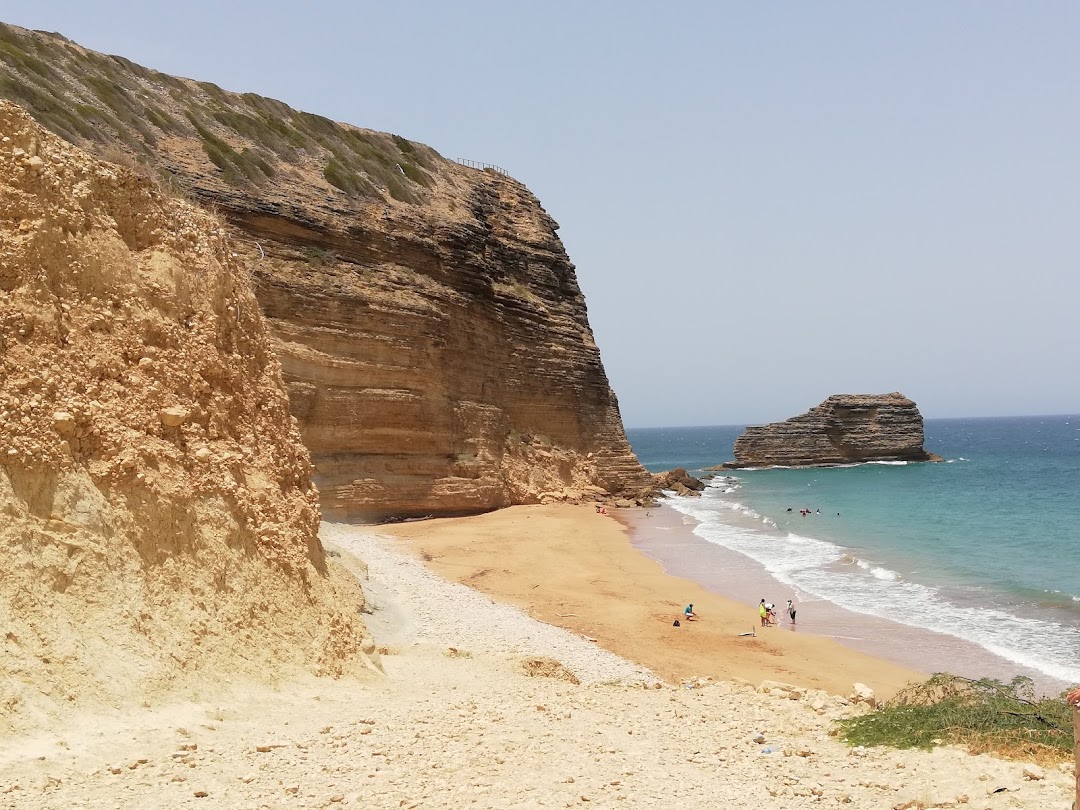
{"x":767,"y":203}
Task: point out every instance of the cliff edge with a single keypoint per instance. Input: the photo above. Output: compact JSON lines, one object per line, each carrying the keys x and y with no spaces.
{"x":844,"y":429}
{"x":159,"y":520}
{"x":432,"y":334}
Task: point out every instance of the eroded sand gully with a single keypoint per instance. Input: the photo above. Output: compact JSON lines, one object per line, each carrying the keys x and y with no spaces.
{"x":456,"y":722}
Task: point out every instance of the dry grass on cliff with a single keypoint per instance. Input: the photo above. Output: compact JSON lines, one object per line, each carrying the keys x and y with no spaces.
{"x":89,"y":98}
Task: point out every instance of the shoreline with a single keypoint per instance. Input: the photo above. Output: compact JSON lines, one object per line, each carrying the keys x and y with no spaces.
{"x":477,"y":705}
{"x":571,"y":567}
{"x":668,"y":537}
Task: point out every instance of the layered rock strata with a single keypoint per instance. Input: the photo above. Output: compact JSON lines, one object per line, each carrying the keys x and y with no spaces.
{"x":430,"y":326}
{"x":844,"y":429}
{"x":159,"y":519}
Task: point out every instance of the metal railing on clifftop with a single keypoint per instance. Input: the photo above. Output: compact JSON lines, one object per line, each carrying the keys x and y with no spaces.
{"x":475,"y":164}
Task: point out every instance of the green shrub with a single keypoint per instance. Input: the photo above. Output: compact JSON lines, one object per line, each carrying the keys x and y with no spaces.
{"x":214,"y":92}
{"x":399,"y":190}
{"x":19,"y":59}
{"x":341,"y":176}
{"x":26,"y":93}
{"x":133,"y":69}
{"x":111,"y":93}
{"x":985,"y":715}
{"x":416,"y":174}
{"x":161,"y":119}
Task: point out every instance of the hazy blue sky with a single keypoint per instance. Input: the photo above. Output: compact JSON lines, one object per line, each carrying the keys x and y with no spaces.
{"x":767,"y":202}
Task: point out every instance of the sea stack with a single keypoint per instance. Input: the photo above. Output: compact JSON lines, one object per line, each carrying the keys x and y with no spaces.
{"x":844,"y":429}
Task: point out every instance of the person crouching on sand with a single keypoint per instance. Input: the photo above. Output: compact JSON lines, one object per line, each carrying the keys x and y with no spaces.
{"x":689,"y":614}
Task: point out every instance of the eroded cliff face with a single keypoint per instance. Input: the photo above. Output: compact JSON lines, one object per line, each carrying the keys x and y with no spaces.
{"x":431,"y":330}
{"x":159,"y":520}
{"x":844,"y":429}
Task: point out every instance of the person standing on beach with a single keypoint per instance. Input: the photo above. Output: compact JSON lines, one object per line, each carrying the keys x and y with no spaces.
{"x":763,"y":612}
{"x":791,"y":611}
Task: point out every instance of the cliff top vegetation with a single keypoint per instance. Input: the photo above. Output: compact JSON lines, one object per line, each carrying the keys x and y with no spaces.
{"x":111,"y":103}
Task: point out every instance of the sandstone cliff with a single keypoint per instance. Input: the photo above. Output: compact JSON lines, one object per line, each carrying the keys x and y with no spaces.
{"x":159,"y":519}
{"x":844,"y":429}
{"x":430,"y":326}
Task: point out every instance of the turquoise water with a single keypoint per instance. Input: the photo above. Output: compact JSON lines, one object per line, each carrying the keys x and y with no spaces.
{"x":983,"y":547}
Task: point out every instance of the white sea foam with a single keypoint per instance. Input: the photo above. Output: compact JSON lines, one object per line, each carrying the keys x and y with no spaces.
{"x":825,"y":570}
{"x":885,"y":574}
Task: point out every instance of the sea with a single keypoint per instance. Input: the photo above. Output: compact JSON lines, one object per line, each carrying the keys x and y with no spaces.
{"x":976,"y":559}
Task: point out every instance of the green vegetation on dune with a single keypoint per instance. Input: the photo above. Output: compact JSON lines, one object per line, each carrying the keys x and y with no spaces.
{"x":109,"y":102}
{"x":985,"y":715}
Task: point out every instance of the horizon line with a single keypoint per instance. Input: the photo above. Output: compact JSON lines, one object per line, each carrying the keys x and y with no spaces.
{"x":925,"y":418}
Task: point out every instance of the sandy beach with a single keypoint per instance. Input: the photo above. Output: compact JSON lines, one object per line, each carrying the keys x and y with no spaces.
{"x":574,"y":568}
{"x":480,"y":705}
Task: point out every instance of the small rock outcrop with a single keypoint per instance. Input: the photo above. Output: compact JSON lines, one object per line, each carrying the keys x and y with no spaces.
{"x":159,"y":519}
{"x":844,"y":429}
{"x":678,"y":481}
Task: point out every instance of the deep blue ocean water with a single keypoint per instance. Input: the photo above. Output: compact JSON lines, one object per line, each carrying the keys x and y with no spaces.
{"x":984,"y":547}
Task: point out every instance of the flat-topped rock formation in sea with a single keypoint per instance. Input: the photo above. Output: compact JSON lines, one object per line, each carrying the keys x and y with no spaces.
{"x":433,"y":338}
{"x":844,"y":429}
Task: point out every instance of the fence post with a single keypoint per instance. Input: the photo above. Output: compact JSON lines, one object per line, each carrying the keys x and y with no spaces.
{"x":1076,"y":750}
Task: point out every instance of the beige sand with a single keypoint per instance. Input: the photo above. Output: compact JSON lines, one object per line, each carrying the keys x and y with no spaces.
{"x":458,"y":722}
{"x":574,"y":568}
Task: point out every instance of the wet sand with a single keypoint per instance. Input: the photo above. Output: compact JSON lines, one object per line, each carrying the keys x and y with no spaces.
{"x":667,"y":536}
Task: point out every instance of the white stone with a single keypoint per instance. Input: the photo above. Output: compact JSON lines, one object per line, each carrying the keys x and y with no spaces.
{"x":63,"y":423}
{"x":173,"y":416}
{"x":861,"y":693}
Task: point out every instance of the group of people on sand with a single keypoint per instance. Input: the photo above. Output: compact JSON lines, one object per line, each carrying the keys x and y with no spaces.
{"x":767,"y":612}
